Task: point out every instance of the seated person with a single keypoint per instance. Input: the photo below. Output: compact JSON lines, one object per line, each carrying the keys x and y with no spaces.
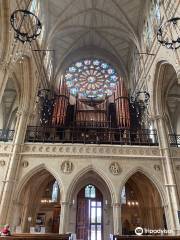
{"x":5,"y":231}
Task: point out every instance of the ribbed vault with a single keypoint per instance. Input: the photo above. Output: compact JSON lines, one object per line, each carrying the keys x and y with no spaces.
{"x":111,"y":25}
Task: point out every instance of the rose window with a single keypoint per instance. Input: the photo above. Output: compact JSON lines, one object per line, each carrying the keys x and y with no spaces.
{"x":91,"y":78}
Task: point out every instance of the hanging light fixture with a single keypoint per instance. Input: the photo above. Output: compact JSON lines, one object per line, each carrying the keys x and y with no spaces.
{"x":141,"y":99}
{"x":170,"y":40}
{"x":46,"y":105}
{"x":26,"y":25}
{"x":139,"y":104}
{"x":133,"y":203}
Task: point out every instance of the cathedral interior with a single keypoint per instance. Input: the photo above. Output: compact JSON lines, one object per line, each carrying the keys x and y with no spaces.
{"x":89,"y":117}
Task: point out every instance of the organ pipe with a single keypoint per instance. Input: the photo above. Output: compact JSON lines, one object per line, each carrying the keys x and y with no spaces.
{"x":61,"y":102}
{"x":86,"y":113}
{"x":122,"y":105}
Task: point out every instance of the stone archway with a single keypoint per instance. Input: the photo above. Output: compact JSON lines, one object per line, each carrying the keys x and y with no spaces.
{"x":141,"y":205}
{"x":166,"y":95}
{"x":39,"y":204}
{"x":94,"y":179}
{"x":9,"y":105}
{"x":166,"y":114}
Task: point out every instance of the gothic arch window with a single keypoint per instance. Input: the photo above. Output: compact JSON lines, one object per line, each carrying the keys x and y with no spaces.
{"x":155,"y":14}
{"x":35,"y":7}
{"x":152,"y":23}
{"x":55,"y":189}
{"x":90,"y":191}
{"x":91,"y":78}
{"x":123,"y":195}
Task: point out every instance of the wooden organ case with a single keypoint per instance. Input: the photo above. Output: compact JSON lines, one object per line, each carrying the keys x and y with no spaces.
{"x":88,"y":120}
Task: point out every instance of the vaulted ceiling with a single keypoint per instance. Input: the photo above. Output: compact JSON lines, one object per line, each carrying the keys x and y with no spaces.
{"x":111,"y":25}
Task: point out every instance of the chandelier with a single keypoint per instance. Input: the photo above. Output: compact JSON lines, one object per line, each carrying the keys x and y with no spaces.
{"x":132,"y":203}
{"x":46,"y":105}
{"x":44,"y":200}
{"x":26,"y":25}
{"x":141,"y":99}
{"x":168,"y":34}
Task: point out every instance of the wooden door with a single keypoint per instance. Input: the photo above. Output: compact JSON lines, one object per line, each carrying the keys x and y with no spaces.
{"x":82,"y":220}
{"x":89,"y":224}
{"x":56,"y":219}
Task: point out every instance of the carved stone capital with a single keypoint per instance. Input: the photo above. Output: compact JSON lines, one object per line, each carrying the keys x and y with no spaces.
{"x":64,"y":203}
{"x":21,"y":112}
{"x":117,"y":205}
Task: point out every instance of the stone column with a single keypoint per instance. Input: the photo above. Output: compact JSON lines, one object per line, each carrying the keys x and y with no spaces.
{"x":6,"y":204}
{"x":16,"y":213}
{"x":169,"y":177}
{"x":117,"y":218}
{"x":4,"y":74}
{"x":64,"y":217}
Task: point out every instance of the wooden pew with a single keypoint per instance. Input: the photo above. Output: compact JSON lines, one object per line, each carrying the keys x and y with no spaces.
{"x":27,"y":236}
{"x":146,"y":237}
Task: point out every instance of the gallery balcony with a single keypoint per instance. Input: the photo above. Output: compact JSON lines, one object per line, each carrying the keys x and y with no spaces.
{"x":91,"y":135}
{"x":174,"y":140}
{"x":6,"y":135}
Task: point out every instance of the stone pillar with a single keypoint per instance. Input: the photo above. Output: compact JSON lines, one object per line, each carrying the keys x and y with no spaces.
{"x":4,"y":74}
{"x":169,"y":177}
{"x":6,"y":204}
{"x":64,"y":217}
{"x":16,"y":215}
{"x":117,"y":218}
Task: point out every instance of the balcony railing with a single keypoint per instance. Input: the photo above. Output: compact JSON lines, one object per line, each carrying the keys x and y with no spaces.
{"x":174,"y":140}
{"x":6,"y":135}
{"x":91,"y":135}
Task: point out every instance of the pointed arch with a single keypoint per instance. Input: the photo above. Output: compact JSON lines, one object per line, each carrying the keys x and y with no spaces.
{"x":89,"y":175}
{"x":157,"y":85}
{"x":165,"y":94}
{"x":153,"y":180}
{"x":83,"y":173}
{"x":30,"y":174}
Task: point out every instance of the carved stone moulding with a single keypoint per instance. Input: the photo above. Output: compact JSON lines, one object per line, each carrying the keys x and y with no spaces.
{"x":60,"y":149}
{"x":25,"y":164}
{"x":157,"y":167}
{"x":67,"y":167}
{"x":2,"y":163}
{"x":115,"y":168}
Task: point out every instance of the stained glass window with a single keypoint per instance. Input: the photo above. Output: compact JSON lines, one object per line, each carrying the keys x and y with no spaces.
{"x":90,"y":191}
{"x":123,"y":195}
{"x":91,"y":78}
{"x":152,"y":23}
{"x":55,"y":189}
{"x":35,"y":7}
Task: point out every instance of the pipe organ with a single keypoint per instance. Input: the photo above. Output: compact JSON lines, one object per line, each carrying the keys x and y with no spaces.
{"x":91,"y":105}
{"x":86,"y":114}
{"x":93,"y":120}
{"x":61,"y":102}
{"x":122,"y":105}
